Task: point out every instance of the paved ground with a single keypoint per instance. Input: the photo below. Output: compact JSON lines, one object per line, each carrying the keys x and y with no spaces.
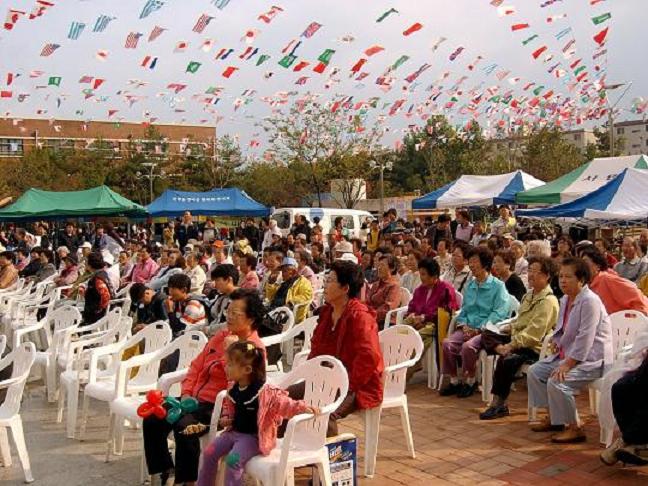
{"x":452,"y":445}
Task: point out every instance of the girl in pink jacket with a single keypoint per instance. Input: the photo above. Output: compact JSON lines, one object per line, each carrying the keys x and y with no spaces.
{"x":252,"y":412}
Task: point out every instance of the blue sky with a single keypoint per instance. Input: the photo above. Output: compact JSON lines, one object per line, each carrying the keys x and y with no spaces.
{"x":471,"y":24}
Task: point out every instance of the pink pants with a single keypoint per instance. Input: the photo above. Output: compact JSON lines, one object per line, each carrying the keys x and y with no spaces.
{"x":456,"y":345}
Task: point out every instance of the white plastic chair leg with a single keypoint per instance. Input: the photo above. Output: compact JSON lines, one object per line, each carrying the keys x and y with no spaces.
{"x":73,"y":405}
{"x":50,"y":380}
{"x":61,"y":405}
{"x":432,"y":370}
{"x":19,"y":440}
{"x":5,"y":451}
{"x":111,"y":431}
{"x":407,"y":429}
{"x":84,"y":417}
{"x":119,"y":437}
{"x":324,"y":470}
{"x":372,"y":431}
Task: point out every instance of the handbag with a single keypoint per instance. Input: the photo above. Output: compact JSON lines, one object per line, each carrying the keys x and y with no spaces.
{"x":490,"y":340}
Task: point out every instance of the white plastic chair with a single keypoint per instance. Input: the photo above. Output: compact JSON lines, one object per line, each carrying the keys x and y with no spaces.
{"x":487,"y":362}
{"x":288,"y":324}
{"x":626,"y":325}
{"x":287,"y":340}
{"x":544,"y":352}
{"x":405,"y":297}
{"x":102,"y":384}
{"x":401,"y":347}
{"x":54,"y":326}
{"x":304,"y":443}
{"x":124,"y":405}
{"x":22,"y":359}
{"x":3,"y":344}
{"x":76,"y":366}
{"x":400,"y":315}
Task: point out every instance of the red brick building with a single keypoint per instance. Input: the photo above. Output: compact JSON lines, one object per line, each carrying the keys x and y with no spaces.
{"x":19,"y":136}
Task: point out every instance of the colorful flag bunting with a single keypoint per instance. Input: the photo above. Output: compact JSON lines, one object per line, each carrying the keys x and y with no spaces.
{"x":229,"y":71}
{"x":75,"y":30}
{"x":132,"y":39}
{"x":538,"y":52}
{"x":102,"y":23}
{"x":192,"y":67}
{"x":268,"y":16}
{"x":12,"y":17}
{"x":250,"y":35}
{"x":399,"y":62}
{"x":599,"y":19}
{"x":201,"y":23}
{"x":320,"y":67}
{"x":155,"y":33}
{"x":311,"y":29}
{"x":181,"y":46}
{"x":48,"y":49}
{"x":504,"y":10}
{"x":386,"y":14}
{"x":415,"y":27}
{"x":149,"y":7}
{"x":530,"y":39}
{"x":287,"y":60}
{"x":375,"y":49}
{"x":554,"y":18}
{"x":358,"y":65}
{"x":325,"y":56}
{"x":601,"y":36}
{"x":262,"y":58}
{"x":97,"y":82}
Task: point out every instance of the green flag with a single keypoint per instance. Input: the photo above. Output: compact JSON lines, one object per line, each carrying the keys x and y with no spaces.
{"x":580,"y":70}
{"x":530,"y":39}
{"x":192,"y":67}
{"x":386,"y":14}
{"x":287,"y":60}
{"x":54,"y":81}
{"x":399,"y":62}
{"x":599,"y":19}
{"x":212,"y":90}
{"x":326,"y":56}
{"x":538,"y":90}
{"x":262,"y":58}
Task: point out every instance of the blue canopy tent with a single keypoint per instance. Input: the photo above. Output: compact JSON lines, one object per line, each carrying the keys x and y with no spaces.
{"x":622,"y":198}
{"x":217,"y":202}
{"x":478,"y":190}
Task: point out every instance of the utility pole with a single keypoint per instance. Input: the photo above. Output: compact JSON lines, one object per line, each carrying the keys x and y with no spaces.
{"x":611,"y":87}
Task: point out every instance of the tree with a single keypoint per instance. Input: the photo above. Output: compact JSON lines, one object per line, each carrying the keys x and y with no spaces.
{"x":270,"y":183}
{"x":548,"y":155}
{"x":348,"y":172}
{"x":208,"y":166}
{"x":312,"y":138}
{"x":438,"y":154}
{"x":603,"y":142}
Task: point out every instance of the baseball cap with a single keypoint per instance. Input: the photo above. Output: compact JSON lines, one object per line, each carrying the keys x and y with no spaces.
{"x":289,"y":262}
{"x":86,"y":244}
{"x":218,"y":244}
{"x":348,"y":257}
{"x":63,"y":248}
{"x":344,"y":247}
{"x":301,"y":236}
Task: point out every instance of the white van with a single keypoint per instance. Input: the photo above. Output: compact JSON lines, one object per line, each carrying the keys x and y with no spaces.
{"x":285,"y":217}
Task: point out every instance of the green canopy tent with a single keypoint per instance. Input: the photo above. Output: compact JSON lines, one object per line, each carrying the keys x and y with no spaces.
{"x":36,"y":204}
{"x":581,"y":181}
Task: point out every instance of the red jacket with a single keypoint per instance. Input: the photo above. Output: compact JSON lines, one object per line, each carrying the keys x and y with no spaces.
{"x":274,"y":406}
{"x":206,"y":376}
{"x":354,"y":341}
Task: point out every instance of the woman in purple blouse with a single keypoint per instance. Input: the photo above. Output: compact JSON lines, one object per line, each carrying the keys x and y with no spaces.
{"x":428,"y":298}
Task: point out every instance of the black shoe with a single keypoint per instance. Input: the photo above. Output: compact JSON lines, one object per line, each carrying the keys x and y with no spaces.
{"x":494,"y":412}
{"x":628,"y":455}
{"x":450,"y":389}
{"x":467,"y":390}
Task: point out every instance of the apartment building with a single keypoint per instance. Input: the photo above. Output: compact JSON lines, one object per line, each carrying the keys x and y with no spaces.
{"x":635,"y":135}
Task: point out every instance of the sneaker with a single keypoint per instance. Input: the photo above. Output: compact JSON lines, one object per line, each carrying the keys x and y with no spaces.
{"x":467,"y":390}
{"x":494,"y":412}
{"x":609,"y":455}
{"x":631,"y":455}
{"x":450,"y":389}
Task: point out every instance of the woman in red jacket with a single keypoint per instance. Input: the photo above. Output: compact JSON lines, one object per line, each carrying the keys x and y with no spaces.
{"x":205,"y":379}
{"x":347,"y":330}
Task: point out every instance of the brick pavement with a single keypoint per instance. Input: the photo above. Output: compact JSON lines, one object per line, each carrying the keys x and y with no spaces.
{"x":453,"y":447}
